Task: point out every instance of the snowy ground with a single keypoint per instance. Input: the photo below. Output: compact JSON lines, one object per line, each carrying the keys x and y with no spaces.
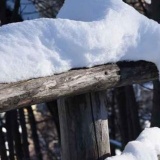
{"x":145,"y":147}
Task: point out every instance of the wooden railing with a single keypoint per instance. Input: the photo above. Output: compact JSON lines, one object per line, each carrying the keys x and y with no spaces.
{"x":80,"y":94}
{"x":74,"y":82}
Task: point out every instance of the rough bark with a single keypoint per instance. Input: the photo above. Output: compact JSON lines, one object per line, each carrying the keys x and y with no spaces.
{"x":74,"y":82}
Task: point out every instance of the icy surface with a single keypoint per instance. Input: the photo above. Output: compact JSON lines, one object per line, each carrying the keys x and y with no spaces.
{"x":111,"y":31}
{"x":146,"y":147}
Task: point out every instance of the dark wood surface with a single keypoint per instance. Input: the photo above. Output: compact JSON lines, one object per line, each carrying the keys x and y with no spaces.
{"x":84,"y":127}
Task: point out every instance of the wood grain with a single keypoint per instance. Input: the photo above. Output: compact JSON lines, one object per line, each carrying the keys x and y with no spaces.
{"x":84,"y":127}
{"x":74,"y":82}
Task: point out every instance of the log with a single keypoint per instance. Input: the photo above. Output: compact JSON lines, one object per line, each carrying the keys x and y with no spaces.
{"x":74,"y":82}
{"x":84,"y":127}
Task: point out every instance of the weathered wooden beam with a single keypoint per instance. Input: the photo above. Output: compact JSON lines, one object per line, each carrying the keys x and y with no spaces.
{"x":74,"y":82}
{"x":84,"y":127}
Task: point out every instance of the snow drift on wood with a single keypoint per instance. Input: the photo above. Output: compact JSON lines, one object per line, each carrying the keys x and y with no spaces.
{"x":43,"y":47}
{"x":146,"y":147}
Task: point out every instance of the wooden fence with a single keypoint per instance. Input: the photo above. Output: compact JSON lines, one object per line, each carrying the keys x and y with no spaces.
{"x":81,"y":103}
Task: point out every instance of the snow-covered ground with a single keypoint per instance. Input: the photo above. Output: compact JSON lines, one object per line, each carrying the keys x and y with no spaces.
{"x":43,"y":47}
{"x":145,"y":147}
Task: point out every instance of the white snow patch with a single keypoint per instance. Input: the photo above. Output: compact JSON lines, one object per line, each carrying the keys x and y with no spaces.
{"x":145,"y":147}
{"x":113,"y":32}
{"x":148,"y":1}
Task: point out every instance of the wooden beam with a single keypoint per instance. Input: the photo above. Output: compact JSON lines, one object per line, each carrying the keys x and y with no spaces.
{"x":84,"y":127}
{"x":74,"y":82}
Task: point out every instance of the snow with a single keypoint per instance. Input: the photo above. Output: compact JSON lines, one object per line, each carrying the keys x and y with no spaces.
{"x":145,"y":147}
{"x":148,"y":1}
{"x":44,"y":47}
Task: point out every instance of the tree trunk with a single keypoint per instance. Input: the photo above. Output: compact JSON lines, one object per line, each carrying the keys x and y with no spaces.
{"x":53,"y":108}
{"x":25,"y":143}
{"x":155,"y":119}
{"x":154,"y":10}
{"x":84,"y":127}
{"x":3,"y":154}
{"x":122,"y":110}
{"x":128,"y":111}
{"x":32,"y":122}
{"x":9,"y":126}
{"x":15,"y":14}
{"x":2,"y":12}
{"x":16,"y":136}
{"x":133,"y":115}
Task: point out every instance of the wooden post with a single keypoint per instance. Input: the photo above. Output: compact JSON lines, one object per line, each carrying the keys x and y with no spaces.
{"x":84,"y":127}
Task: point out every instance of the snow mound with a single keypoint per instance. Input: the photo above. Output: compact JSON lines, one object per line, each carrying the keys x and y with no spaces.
{"x":43,"y":47}
{"x":146,"y":147}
